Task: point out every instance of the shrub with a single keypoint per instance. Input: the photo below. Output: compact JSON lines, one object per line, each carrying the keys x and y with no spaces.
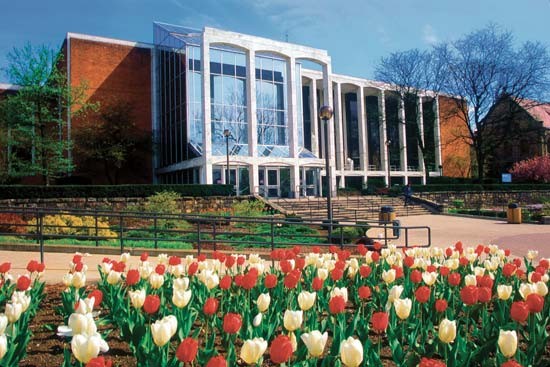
{"x":72,"y":225}
{"x":109,"y":191}
{"x":166,"y":202}
{"x":248,"y":208}
{"x":12,"y":223}
{"x":536,"y":169}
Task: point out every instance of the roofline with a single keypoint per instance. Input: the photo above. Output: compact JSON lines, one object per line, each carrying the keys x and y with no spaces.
{"x":6,"y":86}
{"x":115,"y":41}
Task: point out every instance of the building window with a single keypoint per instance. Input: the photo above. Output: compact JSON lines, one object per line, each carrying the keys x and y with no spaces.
{"x":271,"y":105}
{"x":228,"y":100}
{"x":194,"y":107}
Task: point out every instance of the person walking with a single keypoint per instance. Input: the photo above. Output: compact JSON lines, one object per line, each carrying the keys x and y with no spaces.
{"x":407,"y":193}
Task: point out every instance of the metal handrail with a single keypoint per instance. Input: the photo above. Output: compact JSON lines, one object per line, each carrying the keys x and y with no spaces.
{"x":204,"y":230}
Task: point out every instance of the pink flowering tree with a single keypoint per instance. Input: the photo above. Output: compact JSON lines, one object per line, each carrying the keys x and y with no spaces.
{"x":536,"y":169}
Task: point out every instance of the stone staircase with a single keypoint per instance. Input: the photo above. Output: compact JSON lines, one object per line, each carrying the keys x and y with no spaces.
{"x":347,"y":208}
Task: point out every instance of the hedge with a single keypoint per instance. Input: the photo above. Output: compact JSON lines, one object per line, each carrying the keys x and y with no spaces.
{"x":397,"y":190}
{"x":109,"y":191}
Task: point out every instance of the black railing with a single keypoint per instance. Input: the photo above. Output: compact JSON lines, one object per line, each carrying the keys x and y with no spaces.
{"x":129,"y":230}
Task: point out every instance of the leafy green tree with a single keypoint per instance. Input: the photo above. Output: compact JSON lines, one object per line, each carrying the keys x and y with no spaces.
{"x":35,"y":118}
{"x":113,"y":140}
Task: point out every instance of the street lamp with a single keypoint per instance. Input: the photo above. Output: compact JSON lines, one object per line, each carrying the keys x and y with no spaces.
{"x":388,"y":142}
{"x":325,"y":113}
{"x":227,"y":135}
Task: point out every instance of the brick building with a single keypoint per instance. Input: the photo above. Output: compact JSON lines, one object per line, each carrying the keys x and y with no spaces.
{"x":190,"y":86}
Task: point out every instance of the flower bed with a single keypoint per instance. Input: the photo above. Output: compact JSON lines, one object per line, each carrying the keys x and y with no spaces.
{"x":429,"y":307}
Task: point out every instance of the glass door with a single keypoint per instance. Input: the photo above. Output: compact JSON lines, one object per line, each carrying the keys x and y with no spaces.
{"x":272,"y":188}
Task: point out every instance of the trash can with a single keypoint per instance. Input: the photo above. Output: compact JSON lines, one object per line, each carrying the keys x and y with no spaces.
{"x":387,"y":214}
{"x":514,"y":214}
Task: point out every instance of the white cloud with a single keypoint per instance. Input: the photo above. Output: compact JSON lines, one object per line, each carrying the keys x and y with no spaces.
{"x":430,"y":36}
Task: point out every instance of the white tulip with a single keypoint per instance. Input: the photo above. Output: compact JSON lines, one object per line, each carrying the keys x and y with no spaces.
{"x":351,"y":352}
{"x":429,"y":277}
{"x":156,"y":280}
{"x":22,"y":298}
{"x":263,"y":302}
{"x":322,"y":273}
{"x":84,"y":305}
{"x":137,"y":298}
{"x":78,"y":280}
{"x":508,"y":343}
{"x":164,"y":329}
{"x":86,"y":347}
{"x":402,"y":308}
{"x":257,"y":320}
{"x":447,"y":331}
{"x":504,"y":291}
{"x":541,"y":289}
{"x":114,"y":277}
{"x":470,"y":279}
{"x":181,"y":284}
{"x":388,"y":276}
{"x":3,"y":346}
{"x":315,"y":342}
{"x":526,"y":289}
{"x":306,"y":300}
{"x":124,"y":257}
{"x":67,"y":279}
{"x":78,"y":324}
{"x":145,"y":270}
{"x":13,"y":312}
{"x":3,"y":323}
{"x":292,"y":320}
{"x":532,"y":254}
{"x":252,"y":350}
{"x":181,"y":298}
{"x":395,"y":293}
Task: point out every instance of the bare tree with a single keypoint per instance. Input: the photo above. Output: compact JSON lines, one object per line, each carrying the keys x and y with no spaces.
{"x":411,"y":73}
{"x":483,"y":67}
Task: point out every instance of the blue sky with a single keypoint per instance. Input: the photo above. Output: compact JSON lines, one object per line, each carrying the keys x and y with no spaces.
{"x":356,"y":33}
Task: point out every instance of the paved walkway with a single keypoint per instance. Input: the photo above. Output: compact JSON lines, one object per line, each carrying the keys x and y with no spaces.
{"x":446,"y":230}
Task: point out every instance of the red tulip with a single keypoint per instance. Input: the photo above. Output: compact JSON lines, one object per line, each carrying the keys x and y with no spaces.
{"x":144,"y":256}
{"x":511,"y":363}
{"x":210,"y":306}
{"x":174,"y":260}
{"x":132,"y":277}
{"x":422,"y":294}
{"x":151,"y":304}
{"x":316,"y":249}
{"x":375,"y":256}
{"x":239,"y":280}
{"x":509,"y":269}
{"x":427,"y":362}
{"x":317,"y":284}
{"x":409,"y":261}
{"x":545,"y":263}
{"x":519,"y":311}
{"x":485,"y":281}
{"x":241,"y":260}
{"x":270,"y":281}
{"x":469,"y":295}
{"x":217,"y":361}
{"x":225,"y":283}
{"x":98,"y":297}
{"x":380,"y":321}
{"x":230,"y":261}
{"x":300,"y":263}
{"x":5,"y":267}
{"x":187,"y":350}
{"x":336,"y":274}
{"x":361,"y":249}
{"x":454,"y":279}
{"x":281,"y":349}
{"x":232,"y":323}
{"x":365,"y":271}
{"x":484,"y":294}
{"x":337,"y":304}
{"x":364,"y":292}
{"x":416,"y":276}
{"x":160,"y":269}
{"x":193,"y":268}
{"x":23,"y":283}
{"x":99,"y":362}
{"x":440,"y":305}
{"x":286,"y":266}
{"x":535,"y":303}
{"x":444,"y":271}
{"x":291,"y":280}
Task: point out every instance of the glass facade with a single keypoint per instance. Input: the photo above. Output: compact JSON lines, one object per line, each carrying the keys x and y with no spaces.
{"x":194,"y":100}
{"x":271,"y":106}
{"x":373,"y":123}
{"x":228,"y":100}
{"x":392,"y":131}
{"x":352,"y":129}
{"x":412,"y":133}
{"x":306,"y":116}
{"x":429,"y":134}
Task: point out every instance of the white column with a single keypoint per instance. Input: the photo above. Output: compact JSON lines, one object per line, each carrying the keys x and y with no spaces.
{"x":420,"y":122}
{"x":437,"y":135}
{"x":207,"y":128}
{"x":402,"y":136}
{"x":383,"y":134}
{"x":252,"y":119}
{"x":362,"y":124}
{"x":340,"y":161}
{"x":328,"y":101}
{"x":293,"y":142}
{"x":313,"y":109}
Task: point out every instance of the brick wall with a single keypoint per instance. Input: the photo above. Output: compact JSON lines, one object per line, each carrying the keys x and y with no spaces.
{"x":455,"y":152}
{"x":114,"y":74}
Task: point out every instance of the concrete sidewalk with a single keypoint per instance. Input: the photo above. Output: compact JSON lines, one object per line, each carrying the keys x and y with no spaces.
{"x":446,"y":230}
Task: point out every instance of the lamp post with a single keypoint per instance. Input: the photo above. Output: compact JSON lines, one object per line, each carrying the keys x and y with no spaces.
{"x":227,"y":135}
{"x":440,"y":170}
{"x":325,"y":113}
{"x":388,"y":142}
